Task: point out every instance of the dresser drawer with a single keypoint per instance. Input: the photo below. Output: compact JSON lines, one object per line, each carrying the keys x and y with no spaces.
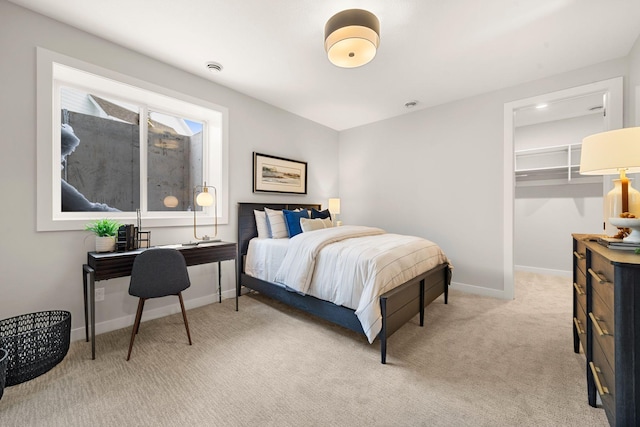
{"x":580,"y":324}
{"x":580,"y":255}
{"x":602,"y":275}
{"x":580,"y":289}
{"x":604,"y":337}
{"x":603,"y":375}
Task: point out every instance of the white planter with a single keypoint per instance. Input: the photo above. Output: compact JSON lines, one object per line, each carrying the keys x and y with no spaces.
{"x":105,"y":244}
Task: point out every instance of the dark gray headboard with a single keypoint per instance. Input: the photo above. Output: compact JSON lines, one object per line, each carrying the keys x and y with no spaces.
{"x":247,"y":222}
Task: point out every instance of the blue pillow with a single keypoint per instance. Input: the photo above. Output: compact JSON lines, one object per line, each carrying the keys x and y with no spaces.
{"x":292,"y":220}
{"x":316,"y":214}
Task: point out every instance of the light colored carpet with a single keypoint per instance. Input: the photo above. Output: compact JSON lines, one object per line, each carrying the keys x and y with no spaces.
{"x":477,"y":362}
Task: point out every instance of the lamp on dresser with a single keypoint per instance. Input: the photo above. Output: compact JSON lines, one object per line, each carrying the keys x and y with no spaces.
{"x":202,"y":197}
{"x":611,"y":153}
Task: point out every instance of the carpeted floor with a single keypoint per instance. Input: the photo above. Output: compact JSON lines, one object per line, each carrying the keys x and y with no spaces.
{"x":477,"y":362}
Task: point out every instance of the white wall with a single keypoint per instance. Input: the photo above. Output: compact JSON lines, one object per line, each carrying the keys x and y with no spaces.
{"x":557,"y":132}
{"x":41,"y":271}
{"x":438,"y":173}
{"x":632,"y":113}
{"x":544,"y":218}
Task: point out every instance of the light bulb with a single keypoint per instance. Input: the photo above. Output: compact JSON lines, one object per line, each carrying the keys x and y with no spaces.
{"x":205,"y":198}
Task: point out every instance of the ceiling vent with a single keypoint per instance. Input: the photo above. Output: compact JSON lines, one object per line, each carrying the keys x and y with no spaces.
{"x":214,"y":67}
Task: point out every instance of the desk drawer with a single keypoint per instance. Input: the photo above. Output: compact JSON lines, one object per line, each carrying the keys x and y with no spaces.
{"x":580,"y":255}
{"x":603,"y":373}
{"x":602,"y":275}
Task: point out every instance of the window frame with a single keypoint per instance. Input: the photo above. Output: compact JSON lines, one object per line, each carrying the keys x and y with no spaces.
{"x":51,"y":66}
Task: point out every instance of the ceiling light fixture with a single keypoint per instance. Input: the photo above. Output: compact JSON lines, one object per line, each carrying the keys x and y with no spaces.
{"x":351,"y":38}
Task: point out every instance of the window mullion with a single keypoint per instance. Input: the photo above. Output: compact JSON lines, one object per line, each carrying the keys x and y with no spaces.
{"x":144,"y":135}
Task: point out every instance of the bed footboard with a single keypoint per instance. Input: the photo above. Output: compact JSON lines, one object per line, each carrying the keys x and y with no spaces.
{"x":401,"y":304}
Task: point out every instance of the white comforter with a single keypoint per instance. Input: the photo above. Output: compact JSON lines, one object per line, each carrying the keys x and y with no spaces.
{"x":365,"y":261}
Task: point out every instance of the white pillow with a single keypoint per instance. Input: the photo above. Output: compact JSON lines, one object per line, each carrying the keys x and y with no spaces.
{"x":261,"y":224}
{"x":314,"y":224}
{"x":276,"y":224}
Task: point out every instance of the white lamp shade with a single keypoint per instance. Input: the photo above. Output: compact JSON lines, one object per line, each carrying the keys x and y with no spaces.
{"x":351,"y":38}
{"x":334,"y":206}
{"x":607,"y":153}
{"x":204,"y":199}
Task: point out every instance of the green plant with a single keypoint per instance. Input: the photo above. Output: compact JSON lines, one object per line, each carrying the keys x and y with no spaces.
{"x":103,"y":227}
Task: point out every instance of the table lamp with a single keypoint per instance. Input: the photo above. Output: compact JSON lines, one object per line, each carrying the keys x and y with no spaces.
{"x":334,"y":208}
{"x":611,"y":153}
{"x":202,"y":197}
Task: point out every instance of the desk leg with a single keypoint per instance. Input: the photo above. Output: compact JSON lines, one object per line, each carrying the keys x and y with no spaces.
{"x":85,"y":270}
{"x":219,"y":282}
{"x":89,"y":296}
{"x":235,"y":264}
{"x":92,"y":299}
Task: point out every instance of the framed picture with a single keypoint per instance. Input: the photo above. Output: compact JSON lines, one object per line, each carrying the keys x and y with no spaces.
{"x":278,"y":175}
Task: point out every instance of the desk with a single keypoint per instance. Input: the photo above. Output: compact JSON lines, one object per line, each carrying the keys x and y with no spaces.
{"x":103,"y":266}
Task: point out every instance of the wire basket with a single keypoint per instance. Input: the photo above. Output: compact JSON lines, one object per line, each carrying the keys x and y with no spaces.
{"x":36,"y":342}
{"x":4,"y":358}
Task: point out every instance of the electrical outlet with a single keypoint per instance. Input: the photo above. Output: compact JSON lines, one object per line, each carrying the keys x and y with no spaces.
{"x":99,"y":294}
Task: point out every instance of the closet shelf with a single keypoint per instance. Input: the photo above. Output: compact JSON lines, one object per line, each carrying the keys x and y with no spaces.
{"x":553,"y":165}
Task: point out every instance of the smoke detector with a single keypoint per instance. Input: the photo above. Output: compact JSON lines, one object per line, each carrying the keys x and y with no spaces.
{"x":214,"y":67}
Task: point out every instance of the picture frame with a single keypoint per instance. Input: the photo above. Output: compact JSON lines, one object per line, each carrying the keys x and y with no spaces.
{"x":273,"y":174}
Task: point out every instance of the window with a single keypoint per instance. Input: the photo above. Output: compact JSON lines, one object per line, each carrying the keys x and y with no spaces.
{"x":109,"y":145}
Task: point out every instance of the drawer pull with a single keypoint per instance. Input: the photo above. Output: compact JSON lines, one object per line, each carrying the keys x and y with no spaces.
{"x":578,"y":327}
{"x":578,"y":288}
{"x":597,"y":277}
{"x":602,"y":390}
{"x":596,"y":324}
{"x":578,"y":255}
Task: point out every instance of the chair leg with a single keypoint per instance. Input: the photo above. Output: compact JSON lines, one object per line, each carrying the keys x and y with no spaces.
{"x":184,"y":316}
{"x":136,"y":325}
{"x":142,"y":300}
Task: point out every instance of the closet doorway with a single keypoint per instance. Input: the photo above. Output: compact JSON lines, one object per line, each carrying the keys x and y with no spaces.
{"x":545,"y":197}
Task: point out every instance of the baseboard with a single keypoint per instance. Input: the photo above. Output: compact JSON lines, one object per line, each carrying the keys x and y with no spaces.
{"x":78,"y":334}
{"x":539,"y":270}
{"x":478,"y":290}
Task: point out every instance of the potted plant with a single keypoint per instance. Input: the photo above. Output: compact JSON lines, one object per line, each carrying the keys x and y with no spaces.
{"x":105,"y":230}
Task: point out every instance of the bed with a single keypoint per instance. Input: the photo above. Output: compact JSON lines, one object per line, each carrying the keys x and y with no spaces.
{"x":396,"y":306}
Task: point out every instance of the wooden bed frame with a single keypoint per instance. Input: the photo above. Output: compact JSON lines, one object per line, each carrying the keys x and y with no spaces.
{"x":398,"y":306}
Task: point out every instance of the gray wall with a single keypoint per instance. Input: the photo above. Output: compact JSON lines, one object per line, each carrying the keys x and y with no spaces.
{"x":41,"y":271}
{"x":438,"y":173}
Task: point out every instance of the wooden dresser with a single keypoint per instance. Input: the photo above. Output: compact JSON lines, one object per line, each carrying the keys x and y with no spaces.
{"x":606,"y":323}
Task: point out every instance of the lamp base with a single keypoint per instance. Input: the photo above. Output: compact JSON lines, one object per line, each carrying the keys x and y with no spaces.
{"x":632,"y":224}
{"x":633,"y":237}
{"x":614,"y":203}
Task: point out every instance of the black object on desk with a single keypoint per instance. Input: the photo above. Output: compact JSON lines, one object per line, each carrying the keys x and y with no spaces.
{"x":103,"y":266}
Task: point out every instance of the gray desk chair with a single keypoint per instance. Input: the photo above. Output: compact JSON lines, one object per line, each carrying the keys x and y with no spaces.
{"x":158,"y":273}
